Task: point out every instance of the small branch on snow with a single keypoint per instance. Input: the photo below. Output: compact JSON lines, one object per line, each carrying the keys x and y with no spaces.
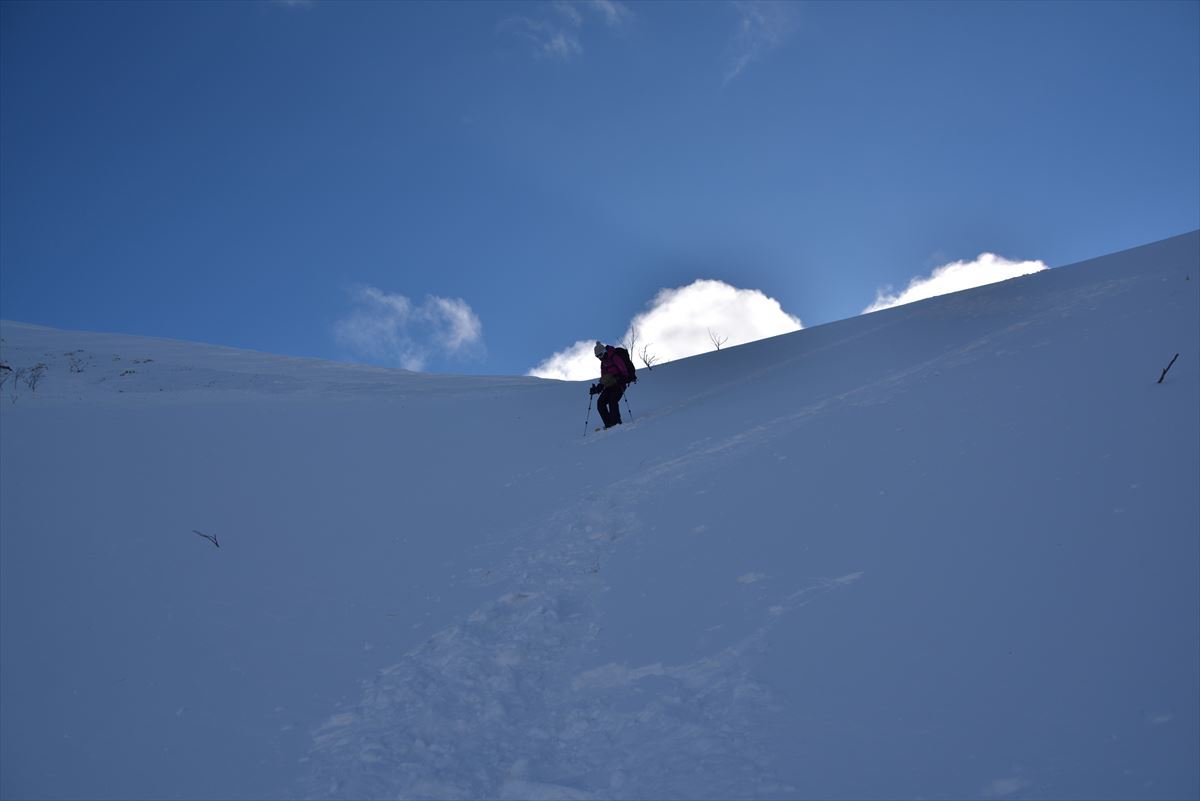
{"x":1168,"y":367}
{"x":208,"y":537}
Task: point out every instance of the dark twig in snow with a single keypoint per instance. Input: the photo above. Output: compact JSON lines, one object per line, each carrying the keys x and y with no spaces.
{"x":208,"y":537}
{"x":1168,"y":367}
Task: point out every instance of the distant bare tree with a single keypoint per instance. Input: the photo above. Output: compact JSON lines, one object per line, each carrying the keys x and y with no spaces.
{"x":716,"y":339}
{"x":648,"y":358}
{"x":5,"y":372}
{"x":31,"y":375}
{"x":631,"y":343}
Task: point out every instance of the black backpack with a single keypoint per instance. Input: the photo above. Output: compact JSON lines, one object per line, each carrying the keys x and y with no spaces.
{"x":628,"y":362}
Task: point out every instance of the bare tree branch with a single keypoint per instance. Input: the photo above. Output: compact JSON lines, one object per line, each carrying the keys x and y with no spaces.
{"x":633,"y":340}
{"x":648,"y":358}
{"x":716,"y":339}
{"x":30,"y":375}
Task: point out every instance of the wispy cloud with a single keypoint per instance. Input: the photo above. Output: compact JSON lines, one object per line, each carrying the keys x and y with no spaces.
{"x":988,"y":268}
{"x":1003,"y":788}
{"x":390,"y":328}
{"x":680,"y":322}
{"x":613,"y":13}
{"x":549,"y":39}
{"x":763,"y":25}
{"x":556,"y":33}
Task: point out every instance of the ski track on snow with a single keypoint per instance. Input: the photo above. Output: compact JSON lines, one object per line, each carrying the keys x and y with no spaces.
{"x":505,"y":704}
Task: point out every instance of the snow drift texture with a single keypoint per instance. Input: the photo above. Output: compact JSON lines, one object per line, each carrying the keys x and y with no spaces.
{"x":944,"y":550}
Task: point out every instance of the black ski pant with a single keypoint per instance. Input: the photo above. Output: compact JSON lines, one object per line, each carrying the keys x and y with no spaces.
{"x":609,"y":405}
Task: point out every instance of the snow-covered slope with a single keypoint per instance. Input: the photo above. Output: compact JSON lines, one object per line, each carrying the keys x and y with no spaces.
{"x":944,"y":550}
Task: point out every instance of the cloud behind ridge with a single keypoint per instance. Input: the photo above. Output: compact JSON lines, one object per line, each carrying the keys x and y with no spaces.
{"x":988,"y":268}
{"x":678,"y":322}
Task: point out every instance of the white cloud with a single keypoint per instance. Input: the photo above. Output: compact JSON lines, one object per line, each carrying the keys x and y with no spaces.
{"x":556,"y":33}
{"x":575,"y":363}
{"x":392,"y":329}
{"x":456,"y":324}
{"x":678,"y":323}
{"x":954,"y":277}
{"x":763,"y":25}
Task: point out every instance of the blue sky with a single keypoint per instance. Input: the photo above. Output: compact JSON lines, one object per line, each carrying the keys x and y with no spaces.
{"x":471,"y":188}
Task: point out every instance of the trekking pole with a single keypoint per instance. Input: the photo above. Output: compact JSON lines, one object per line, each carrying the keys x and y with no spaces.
{"x":587,"y":419}
{"x":627,"y":406}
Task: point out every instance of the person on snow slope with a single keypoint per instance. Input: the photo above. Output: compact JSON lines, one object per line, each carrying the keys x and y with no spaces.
{"x":615,"y":375}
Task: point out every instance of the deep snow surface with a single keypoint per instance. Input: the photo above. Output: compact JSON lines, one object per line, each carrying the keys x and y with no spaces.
{"x":948,"y":550}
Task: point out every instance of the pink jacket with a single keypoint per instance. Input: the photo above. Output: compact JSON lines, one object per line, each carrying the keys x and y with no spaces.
{"x":612,"y":369}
